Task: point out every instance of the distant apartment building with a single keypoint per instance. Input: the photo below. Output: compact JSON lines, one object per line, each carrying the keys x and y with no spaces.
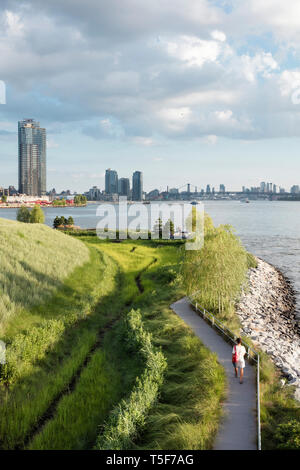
{"x":32,"y":158}
{"x":4,"y":192}
{"x":154,"y":194}
{"x":263,"y":187}
{"x":295,"y":189}
{"x":174,"y":191}
{"x":124,"y":187}
{"x":137,"y":186}
{"x":222,"y":188}
{"x":111,"y":181}
{"x":94,"y":194}
{"x":12,"y":190}
{"x":208,"y":189}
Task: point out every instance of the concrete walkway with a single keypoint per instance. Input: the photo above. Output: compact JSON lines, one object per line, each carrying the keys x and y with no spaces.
{"x":238,"y":430}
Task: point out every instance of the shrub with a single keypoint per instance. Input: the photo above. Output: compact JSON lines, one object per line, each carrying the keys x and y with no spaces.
{"x":288,"y":435}
{"x":28,"y":347}
{"x":23,"y":214}
{"x":37,"y":215}
{"x":130,"y":415}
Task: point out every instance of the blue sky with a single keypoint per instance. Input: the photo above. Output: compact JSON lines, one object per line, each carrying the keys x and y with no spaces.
{"x":184,"y":90}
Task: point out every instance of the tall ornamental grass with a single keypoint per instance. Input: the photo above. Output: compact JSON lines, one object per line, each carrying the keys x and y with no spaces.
{"x":34,"y":260}
{"x":217,"y":272}
{"x":130,"y":415}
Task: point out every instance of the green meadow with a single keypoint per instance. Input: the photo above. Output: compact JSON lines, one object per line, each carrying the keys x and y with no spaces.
{"x":69,"y":367}
{"x":96,"y":359}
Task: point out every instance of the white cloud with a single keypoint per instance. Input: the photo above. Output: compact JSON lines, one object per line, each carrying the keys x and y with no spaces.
{"x":145,"y":141}
{"x":289,"y":81}
{"x":218,"y":35}
{"x":261,"y":63}
{"x":193,"y":51}
{"x":149,"y":69}
{"x":175,"y":119}
{"x":13,"y":23}
{"x":206,"y":97}
{"x":280,"y":18}
{"x":224,"y":115}
{"x":211,"y":139}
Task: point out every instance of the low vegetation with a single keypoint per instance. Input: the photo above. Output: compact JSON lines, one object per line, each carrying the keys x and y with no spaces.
{"x":35,"y":261}
{"x":68,"y":366}
{"x":34,"y":216}
{"x":130,"y":415}
{"x":47,"y":349}
{"x":280,"y":412}
{"x":216,"y":274}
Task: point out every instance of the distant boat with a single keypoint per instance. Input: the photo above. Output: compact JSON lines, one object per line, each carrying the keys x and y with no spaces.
{"x":194,"y":203}
{"x":245,"y":200}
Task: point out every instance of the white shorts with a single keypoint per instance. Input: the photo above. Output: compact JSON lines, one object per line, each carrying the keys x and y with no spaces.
{"x":240,"y":364}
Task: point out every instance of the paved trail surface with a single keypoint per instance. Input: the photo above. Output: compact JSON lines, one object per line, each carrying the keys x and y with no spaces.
{"x":238,"y":430}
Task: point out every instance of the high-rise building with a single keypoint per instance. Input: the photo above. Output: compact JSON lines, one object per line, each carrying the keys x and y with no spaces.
{"x":137,"y":186}
{"x":208,"y":189}
{"x":94,"y":194}
{"x":32,"y":158}
{"x":222,"y":188}
{"x":111,"y":181}
{"x":124,"y":187}
{"x":263,"y":187}
{"x":295,"y":189}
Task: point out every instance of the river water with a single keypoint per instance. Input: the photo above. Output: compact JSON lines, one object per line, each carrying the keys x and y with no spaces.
{"x":268,"y":229}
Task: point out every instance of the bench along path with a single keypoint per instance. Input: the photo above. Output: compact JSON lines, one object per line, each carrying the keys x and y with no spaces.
{"x":238,"y":429}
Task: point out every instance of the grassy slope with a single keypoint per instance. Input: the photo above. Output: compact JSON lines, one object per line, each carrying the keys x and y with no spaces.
{"x":30,"y":271}
{"x":218,"y":271}
{"x":65,"y":329}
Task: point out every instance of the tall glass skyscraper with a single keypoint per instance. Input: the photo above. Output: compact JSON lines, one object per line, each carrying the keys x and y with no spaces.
{"x":137,"y":186}
{"x":111,"y":182}
{"x":124,"y":187}
{"x":32,"y":158}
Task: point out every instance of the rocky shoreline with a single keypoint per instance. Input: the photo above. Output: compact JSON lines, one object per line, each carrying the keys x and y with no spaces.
{"x":267,"y":313}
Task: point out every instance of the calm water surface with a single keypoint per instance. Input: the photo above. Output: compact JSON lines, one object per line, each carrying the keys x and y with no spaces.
{"x":269,"y":229}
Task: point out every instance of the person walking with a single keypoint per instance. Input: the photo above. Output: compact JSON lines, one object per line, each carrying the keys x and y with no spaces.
{"x":238,"y":358}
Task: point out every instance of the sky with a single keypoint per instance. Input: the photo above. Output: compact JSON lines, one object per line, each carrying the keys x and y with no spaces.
{"x":186,"y":91}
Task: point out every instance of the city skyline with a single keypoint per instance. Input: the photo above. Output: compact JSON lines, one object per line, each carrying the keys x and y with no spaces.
{"x":177,"y":87}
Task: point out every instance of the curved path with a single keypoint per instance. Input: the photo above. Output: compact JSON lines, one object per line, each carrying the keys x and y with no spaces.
{"x":238,"y":429}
